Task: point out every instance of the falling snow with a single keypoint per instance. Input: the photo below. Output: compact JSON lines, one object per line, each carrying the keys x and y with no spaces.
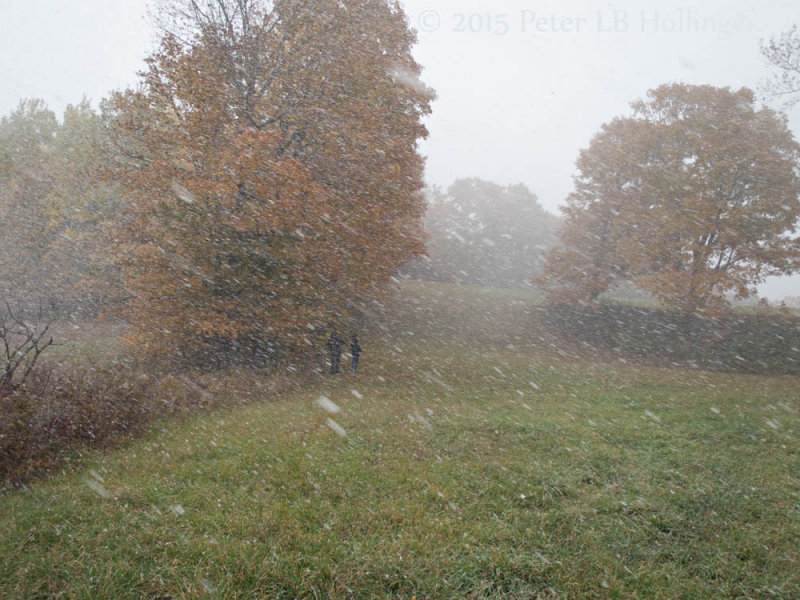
{"x":328,"y":405}
{"x":336,"y":428}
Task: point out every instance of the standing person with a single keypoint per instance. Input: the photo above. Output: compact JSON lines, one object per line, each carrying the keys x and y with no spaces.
{"x":335,"y":343}
{"x":355,"y":352}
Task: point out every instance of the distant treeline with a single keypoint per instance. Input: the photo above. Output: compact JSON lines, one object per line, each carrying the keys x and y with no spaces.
{"x":482,"y":233}
{"x":766,"y":341}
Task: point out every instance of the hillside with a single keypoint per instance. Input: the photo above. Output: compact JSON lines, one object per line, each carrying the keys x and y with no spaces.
{"x":470,"y":458}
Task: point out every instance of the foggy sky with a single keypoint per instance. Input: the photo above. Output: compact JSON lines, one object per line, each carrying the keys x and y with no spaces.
{"x":522,"y":85}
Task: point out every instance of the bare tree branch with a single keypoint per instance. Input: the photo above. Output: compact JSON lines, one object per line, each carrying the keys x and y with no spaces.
{"x":22,"y":343}
{"x":783,"y":53}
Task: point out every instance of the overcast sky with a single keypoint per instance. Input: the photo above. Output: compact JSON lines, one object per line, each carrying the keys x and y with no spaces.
{"x":522,"y":85}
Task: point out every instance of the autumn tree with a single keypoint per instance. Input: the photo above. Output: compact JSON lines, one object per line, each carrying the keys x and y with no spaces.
{"x":693,"y":198}
{"x":487,"y":234}
{"x":783,"y":53}
{"x":81,"y":212}
{"x":271,"y":173}
{"x":26,"y":139}
{"x":55,"y":214}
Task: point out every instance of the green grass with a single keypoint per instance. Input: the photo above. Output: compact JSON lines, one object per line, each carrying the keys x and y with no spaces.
{"x":80,"y":343}
{"x":468,"y":470}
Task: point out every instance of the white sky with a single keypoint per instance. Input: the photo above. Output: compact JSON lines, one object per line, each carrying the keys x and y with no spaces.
{"x":522,"y":85}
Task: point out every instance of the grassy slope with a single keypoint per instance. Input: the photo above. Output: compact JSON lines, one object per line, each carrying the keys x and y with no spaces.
{"x":469,"y":469}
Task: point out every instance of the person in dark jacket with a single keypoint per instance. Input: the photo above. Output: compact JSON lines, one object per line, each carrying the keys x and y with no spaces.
{"x":355,"y":352}
{"x":335,"y":343}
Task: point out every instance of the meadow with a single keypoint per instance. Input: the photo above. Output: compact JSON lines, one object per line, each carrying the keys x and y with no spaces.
{"x":473,"y":456}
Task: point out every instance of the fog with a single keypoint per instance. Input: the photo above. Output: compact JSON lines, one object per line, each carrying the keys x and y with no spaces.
{"x":324,"y":299}
{"x":521,"y":88}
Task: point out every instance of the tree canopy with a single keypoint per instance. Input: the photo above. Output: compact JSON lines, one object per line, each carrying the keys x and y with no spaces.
{"x":270,"y":167}
{"x":692,"y":198}
{"x":483,"y":233}
{"x":56,"y":216}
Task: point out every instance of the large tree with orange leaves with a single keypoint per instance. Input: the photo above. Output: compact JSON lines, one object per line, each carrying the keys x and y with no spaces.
{"x":693,"y":198}
{"x":271,"y":169}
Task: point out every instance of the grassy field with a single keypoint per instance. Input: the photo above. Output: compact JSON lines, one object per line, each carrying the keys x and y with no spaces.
{"x":470,"y":458}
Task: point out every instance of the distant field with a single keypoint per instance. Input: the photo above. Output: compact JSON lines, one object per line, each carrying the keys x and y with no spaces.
{"x":469,"y":459}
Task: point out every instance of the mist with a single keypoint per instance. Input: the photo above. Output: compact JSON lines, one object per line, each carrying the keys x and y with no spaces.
{"x":357,"y":298}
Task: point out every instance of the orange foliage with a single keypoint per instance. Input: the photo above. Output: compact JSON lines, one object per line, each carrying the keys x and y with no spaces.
{"x":272,"y":174}
{"x":693,"y":199}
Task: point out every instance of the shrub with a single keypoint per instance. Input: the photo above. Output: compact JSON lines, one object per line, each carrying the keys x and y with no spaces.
{"x":57,"y":411}
{"x":761,"y":342}
{"x":22,"y":340}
